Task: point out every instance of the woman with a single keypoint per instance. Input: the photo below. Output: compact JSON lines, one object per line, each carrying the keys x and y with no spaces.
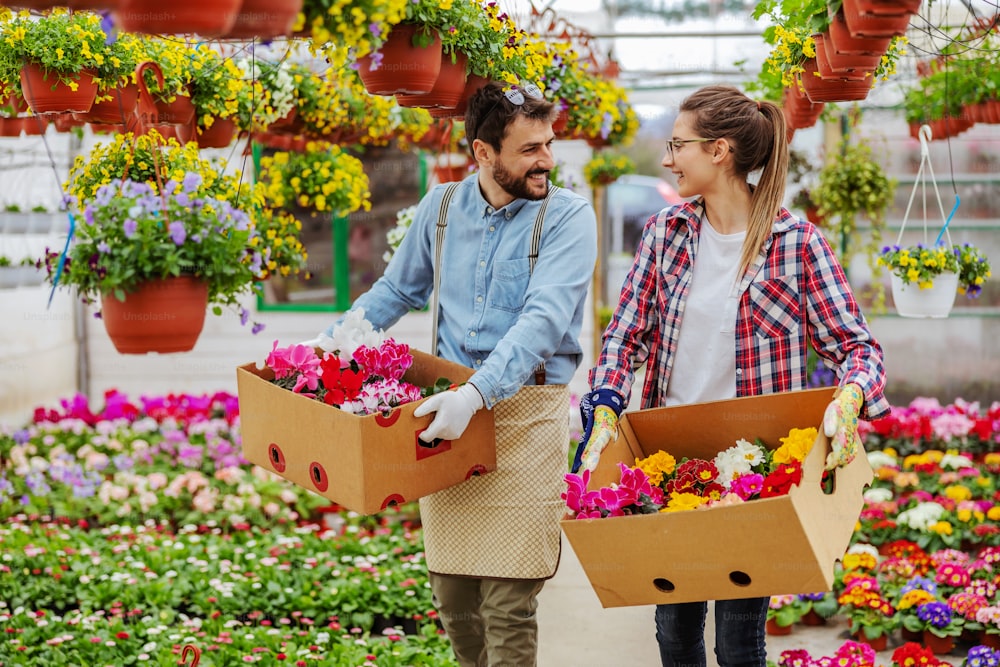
{"x":724,"y":297}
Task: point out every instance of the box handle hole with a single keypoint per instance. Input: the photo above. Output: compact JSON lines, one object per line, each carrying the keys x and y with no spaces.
{"x":740,"y":578}
{"x":318,"y":476}
{"x":664,"y":585}
{"x":430,"y":445}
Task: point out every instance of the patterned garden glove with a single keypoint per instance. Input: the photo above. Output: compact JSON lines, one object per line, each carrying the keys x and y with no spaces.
{"x":600,"y":410}
{"x":840,"y":423}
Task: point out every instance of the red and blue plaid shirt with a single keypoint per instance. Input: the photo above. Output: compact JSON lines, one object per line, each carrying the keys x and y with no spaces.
{"x":795,"y":292}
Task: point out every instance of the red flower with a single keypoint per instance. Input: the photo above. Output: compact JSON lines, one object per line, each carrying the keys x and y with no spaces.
{"x":782,"y":479}
{"x":121,"y":635}
{"x":342,"y":384}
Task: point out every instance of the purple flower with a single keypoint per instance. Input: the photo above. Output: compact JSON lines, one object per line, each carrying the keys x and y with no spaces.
{"x":257,"y":328}
{"x":937,"y":614}
{"x":982,"y":656}
{"x":191,"y":182}
{"x":129,"y":227}
{"x":244,"y":316}
{"x":178,"y":233}
{"x":375,"y":29}
{"x":104,"y":247}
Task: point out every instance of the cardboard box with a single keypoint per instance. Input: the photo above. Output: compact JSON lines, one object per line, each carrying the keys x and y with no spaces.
{"x":771,"y":546}
{"x":365,"y":463}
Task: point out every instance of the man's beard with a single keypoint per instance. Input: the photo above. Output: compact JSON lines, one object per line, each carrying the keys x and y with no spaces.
{"x":517,"y":187}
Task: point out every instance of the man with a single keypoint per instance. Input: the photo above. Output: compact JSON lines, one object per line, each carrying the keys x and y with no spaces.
{"x":491,"y":541}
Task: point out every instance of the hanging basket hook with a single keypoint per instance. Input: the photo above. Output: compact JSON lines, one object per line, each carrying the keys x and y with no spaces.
{"x":925,"y":139}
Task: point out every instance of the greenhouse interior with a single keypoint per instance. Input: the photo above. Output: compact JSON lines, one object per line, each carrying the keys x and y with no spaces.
{"x":193,"y":196}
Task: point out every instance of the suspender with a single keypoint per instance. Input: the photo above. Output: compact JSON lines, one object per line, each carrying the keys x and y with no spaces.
{"x":442,"y":224}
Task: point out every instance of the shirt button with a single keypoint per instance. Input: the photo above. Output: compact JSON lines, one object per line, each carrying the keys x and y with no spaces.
{"x":739,"y":371}
{"x":492,"y":228}
{"x":479,"y":299}
{"x":472,"y":334}
{"x":479,"y":362}
{"x":482,"y":263}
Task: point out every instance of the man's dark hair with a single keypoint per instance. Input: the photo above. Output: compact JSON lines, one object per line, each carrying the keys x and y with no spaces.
{"x":489,"y":113}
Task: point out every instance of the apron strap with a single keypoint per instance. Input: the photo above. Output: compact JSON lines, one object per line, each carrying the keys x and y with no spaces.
{"x":442,"y":224}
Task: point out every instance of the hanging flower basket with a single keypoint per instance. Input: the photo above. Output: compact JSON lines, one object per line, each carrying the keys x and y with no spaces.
{"x":831,"y":64}
{"x":843,"y":42}
{"x":160,"y":316}
{"x":447,"y":90}
{"x":116,"y":111}
{"x":839,"y":89}
{"x":265,"y":19}
{"x":46,"y":93}
{"x":220,"y":135}
{"x":932,"y":302}
{"x":403,"y":67}
{"x":178,"y":112}
{"x":208,"y":18}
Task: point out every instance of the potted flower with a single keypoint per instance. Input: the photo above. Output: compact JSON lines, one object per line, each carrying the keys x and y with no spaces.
{"x":925,"y":280}
{"x":606,"y":167}
{"x":783,"y":612}
{"x":361,"y":25}
{"x":142,"y":251}
{"x":57,"y":61}
{"x":938,"y":624}
{"x":216,"y":86}
{"x":871,"y":617}
{"x":324,"y":178}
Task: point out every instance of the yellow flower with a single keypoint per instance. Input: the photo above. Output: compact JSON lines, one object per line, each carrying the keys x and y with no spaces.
{"x":796,"y":445}
{"x":680,"y":502}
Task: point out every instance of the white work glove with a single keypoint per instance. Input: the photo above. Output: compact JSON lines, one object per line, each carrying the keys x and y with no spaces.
{"x":454,"y":410}
{"x":840,"y":424}
{"x":312,"y":342}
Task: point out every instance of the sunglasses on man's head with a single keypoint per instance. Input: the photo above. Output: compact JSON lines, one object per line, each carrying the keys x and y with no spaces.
{"x":515,"y":95}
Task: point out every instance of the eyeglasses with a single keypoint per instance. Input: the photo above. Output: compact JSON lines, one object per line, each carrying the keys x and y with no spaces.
{"x":677,"y":144}
{"x":515,"y":95}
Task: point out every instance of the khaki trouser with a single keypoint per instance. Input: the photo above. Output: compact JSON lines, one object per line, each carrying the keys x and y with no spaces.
{"x":490,"y":622}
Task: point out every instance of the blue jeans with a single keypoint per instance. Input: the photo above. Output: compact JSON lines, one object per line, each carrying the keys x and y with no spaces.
{"x":739,"y":633}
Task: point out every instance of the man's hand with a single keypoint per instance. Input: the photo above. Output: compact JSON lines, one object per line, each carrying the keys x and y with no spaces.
{"x":454,"y":410}
{"x":840,"y":424}
{"x":599,"y":410}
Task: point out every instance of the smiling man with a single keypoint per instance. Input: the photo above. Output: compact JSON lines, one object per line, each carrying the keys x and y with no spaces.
{"x":505,"y":259}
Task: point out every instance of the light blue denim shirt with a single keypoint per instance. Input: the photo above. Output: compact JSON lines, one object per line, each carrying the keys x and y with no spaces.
{"x":496,"y":316}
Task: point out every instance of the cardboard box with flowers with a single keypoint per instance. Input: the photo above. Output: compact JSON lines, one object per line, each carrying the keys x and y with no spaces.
{"x":340,"y":423}
{"x":754,"y":538}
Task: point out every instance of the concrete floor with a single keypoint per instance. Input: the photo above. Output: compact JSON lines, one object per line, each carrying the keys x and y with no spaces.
{"x":576,"y":631}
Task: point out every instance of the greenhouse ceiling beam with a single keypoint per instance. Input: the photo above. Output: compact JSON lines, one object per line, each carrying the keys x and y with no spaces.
{"x":657,"y":35}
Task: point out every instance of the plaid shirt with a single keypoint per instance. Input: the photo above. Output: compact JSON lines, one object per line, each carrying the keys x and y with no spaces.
{"x":794,"y":289}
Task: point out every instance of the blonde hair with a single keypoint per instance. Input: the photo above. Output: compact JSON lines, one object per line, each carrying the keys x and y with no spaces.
{"x":757,"y":132}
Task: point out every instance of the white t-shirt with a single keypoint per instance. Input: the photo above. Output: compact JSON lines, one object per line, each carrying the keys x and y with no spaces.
{"x":705,"y":362}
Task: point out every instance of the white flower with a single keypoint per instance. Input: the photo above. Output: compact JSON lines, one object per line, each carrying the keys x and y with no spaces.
{"x":920,"y":517}
{"x":863,"y":549}
{"x":352,"y":332}
{"x":404,"y":218}
{"x":737,"y":460}
{"x":878,"y":495}
{"x":955,"y":461}
{"x":879,"y":459}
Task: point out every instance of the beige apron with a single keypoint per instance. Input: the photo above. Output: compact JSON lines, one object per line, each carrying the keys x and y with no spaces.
{"x":504,"y":524}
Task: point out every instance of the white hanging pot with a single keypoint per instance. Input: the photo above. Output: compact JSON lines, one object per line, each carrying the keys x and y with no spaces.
{"x":936,"y":301}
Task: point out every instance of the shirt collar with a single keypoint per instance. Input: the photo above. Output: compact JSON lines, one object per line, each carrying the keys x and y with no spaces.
{"x":509,"y":211}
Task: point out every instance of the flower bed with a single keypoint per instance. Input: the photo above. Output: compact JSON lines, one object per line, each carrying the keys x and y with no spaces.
{"x":136,"y":529}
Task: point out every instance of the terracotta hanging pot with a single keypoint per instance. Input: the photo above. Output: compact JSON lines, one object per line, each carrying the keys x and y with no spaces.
{"x":447,"y":90}
{"x":843,"y":42}
{"x":472,"y":85}
{"x":450,"y":173}
{"x":888,"y":7}
{"x":404,"y":68}
{"x":829,"y":63}
{"x":861,"y":24}
{"x":820,"y":89}
{"x":220,"y":135}
{"x":208,"y":18}
{"x":93,"y":5}
{"x":264,"y":19}
{"x":45,"y":93}
{"x":160,"y":316}
{"x":938,"y":645}
{"x":561,"y":121}
{"x":115,"y":111}
{"x":178,"y":112}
